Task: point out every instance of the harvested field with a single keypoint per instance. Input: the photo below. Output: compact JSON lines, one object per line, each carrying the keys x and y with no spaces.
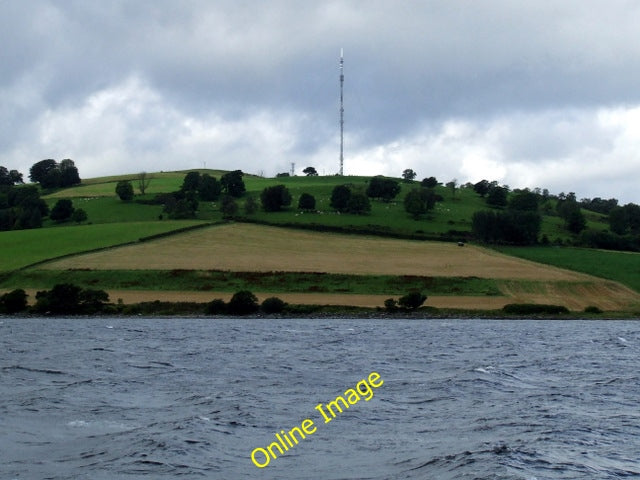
{"x":576,"y":296}
{"x":243,"y":247}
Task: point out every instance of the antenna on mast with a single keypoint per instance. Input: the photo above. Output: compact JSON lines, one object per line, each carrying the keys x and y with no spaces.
{"x":341,"y":113}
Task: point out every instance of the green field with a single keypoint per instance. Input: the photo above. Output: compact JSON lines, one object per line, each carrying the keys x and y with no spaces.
{"x":20,"y":248}
{"x":97,"y":197}
{"x":450,"y":217}
{"x":621,"y":267}
{"x":223,"y":281}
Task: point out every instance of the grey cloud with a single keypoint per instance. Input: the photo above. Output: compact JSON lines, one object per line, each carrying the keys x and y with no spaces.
{"x":410,"y":68}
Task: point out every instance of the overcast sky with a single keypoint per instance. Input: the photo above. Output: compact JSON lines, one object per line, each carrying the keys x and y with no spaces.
{"x":531,"y":94}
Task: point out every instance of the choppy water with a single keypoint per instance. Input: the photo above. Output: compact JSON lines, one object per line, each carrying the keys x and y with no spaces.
{"x":191,"y":398}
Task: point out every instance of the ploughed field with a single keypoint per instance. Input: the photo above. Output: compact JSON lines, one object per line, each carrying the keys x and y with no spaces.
{"x":253,"y":248}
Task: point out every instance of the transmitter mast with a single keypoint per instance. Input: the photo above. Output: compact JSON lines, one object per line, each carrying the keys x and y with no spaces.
{"x":341,"y":113}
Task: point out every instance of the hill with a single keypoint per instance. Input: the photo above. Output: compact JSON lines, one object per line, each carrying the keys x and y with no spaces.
{"x":112,"y":222}
{"x":451,"y":216}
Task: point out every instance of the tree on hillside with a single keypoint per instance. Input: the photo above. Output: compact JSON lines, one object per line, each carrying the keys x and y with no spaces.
{"x":22,"y":208}
{"x":482,"y":187}
{"x":191,"y":182}
{"x":453,"y":186}
{"x":275,"y":197}
{"x":419,"y":201}
{"x":618,"y":222}
{"x":62,"y":210}
{"x":310,"y":172}
{"x":599,"y":205}
{"x":209,"y":188}
{"x":383,"y":188}
{"x":16,"y":177}
{"x":307,"y":202}
{"x":9,"y":177}
{"x":124,"y":190}
{"x":228,"y":207}
{"x":514,"y":227}
{"x":625,"y":220}
{"x":68,"y":173}
{"x":429,"y":182}
{"x":569,"y":210}
{"x":232,"y":183}
{"x":340,"y":198}
{"x":632,"y":213}
{"x":183,"y":206}
{"x":5,"y":179}
{"x":409,"y":175}
{"x":358,"y":203}
{"x":39,"y":170}
{"x":144,"y":179}
{"x":497,"y":196}
{"x":79,"y":215}
{"x":524,"y":200}
{"x":51,"y":175}
{"x":250,"y":205}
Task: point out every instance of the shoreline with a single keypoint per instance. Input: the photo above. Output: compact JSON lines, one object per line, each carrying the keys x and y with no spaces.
{"x":336,"y":314}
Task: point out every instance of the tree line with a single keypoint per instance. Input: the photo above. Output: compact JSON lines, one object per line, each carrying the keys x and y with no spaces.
{"x":21,"y":206}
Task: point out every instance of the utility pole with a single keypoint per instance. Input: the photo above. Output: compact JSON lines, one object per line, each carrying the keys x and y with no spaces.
{"x":293,"y":168}
{"x":341,"y":113}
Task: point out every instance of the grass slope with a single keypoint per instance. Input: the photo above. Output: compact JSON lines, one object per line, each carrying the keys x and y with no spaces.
{"x":20,"y":248}
{"x":623,"y":267}
{"x":452,"y":214}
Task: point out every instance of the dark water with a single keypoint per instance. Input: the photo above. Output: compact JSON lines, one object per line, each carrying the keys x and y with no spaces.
{"x":140,"y":398}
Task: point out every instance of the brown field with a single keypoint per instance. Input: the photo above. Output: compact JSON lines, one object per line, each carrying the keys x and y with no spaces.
{"x":242,"y":247}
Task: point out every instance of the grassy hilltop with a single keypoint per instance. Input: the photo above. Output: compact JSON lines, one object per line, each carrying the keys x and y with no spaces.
{"x":157,"y":254}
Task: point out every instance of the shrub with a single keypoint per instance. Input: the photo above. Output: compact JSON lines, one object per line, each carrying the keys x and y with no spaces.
{"x":229,"y":207}
{"x":419,"y":201}
{"x":592,"y":309}
{"x":340,"y":197}
{"x":216,"y":307}
{"x":275,"y":197}
{"x":273,"y":305}
{"x":124,"y":190}
{"x":92,"y":300}
{"x":62,"y":210}
{"x":412,"y":300}
{"x":534,"y":308}
{"x":63,"y":298}
{"x":14,"y":301}
{"x":307,"y":202}
{"x":243,"y":303}
{"x":250,"y":205}
{"x":69,"y":299}
{"x":358,"y":204}
{"x":391,"y":304}
{"x":79,"y":215}
{"x":385,"y":189}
